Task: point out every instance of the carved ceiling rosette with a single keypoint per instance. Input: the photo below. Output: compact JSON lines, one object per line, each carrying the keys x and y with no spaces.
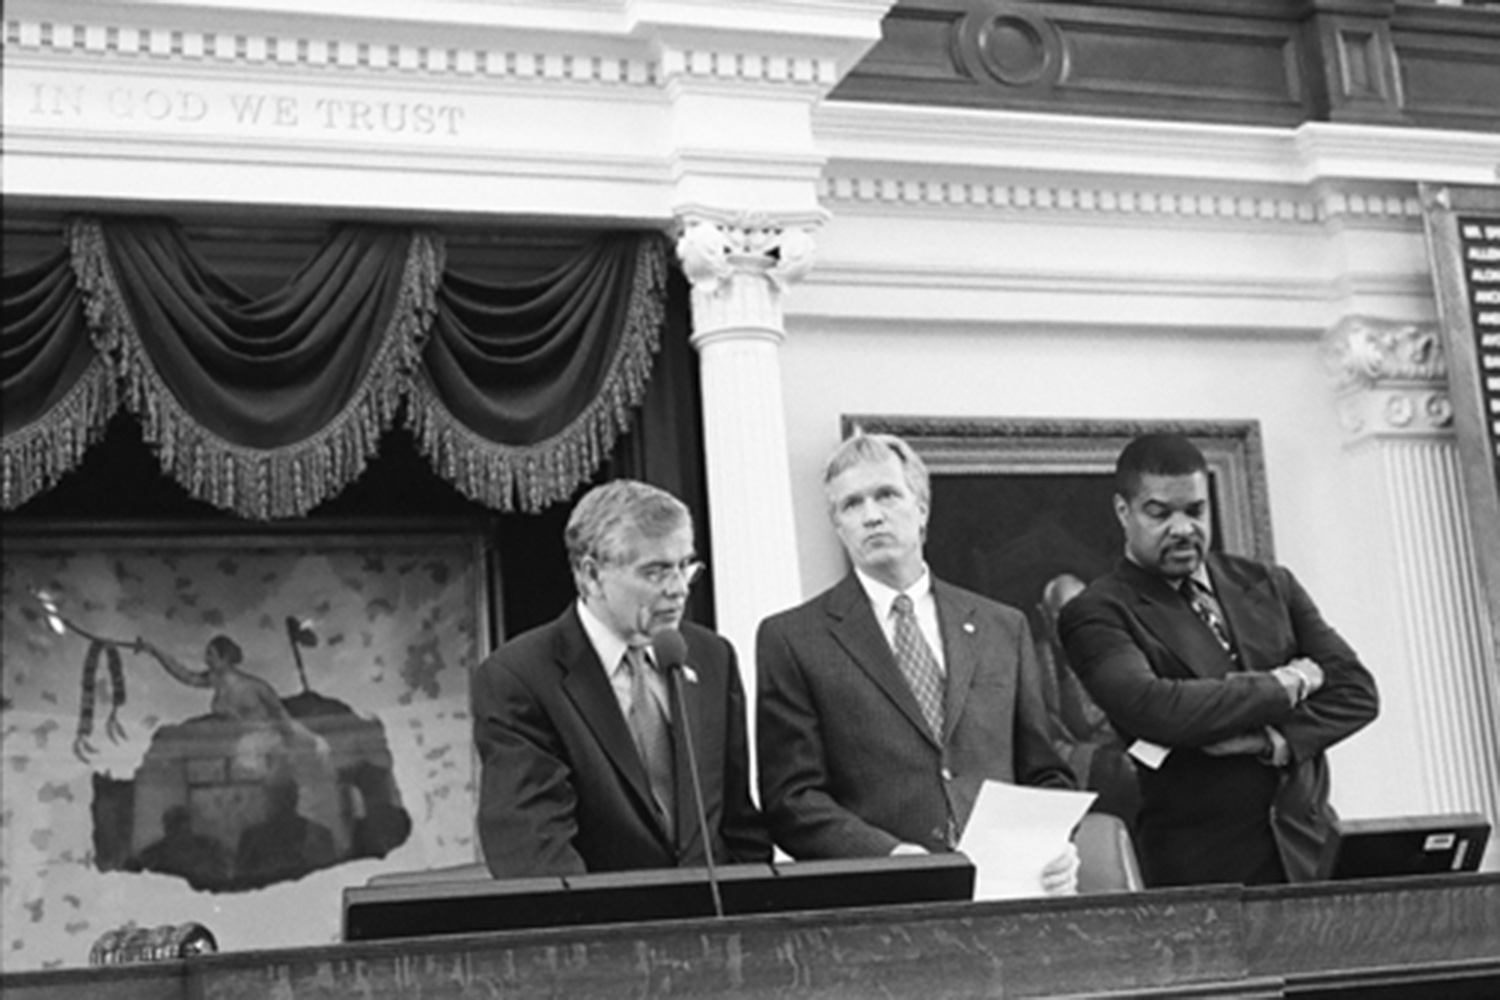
{"x":1010,"y":44}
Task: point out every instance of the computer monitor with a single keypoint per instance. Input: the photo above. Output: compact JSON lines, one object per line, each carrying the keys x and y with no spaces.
{"x":1404,"y":845}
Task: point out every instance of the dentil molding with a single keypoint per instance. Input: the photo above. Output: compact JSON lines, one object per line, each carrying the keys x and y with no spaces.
{"x":1375,"y":204}
{"x":560,"y":58}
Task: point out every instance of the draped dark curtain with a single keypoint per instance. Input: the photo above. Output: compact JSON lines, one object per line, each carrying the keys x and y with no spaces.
{"x":58,"y":391}
{"x":523,"y":384}
{"x":266,"y":405}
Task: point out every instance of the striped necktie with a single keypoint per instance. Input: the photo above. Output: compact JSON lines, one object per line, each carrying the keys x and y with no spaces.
{"x":653,"y":735}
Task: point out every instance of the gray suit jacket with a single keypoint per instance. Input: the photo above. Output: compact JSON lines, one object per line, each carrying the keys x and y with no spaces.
{"x":848,"y":767}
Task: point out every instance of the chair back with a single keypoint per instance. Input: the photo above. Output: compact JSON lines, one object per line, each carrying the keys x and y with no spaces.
{"x":1106,"y":855}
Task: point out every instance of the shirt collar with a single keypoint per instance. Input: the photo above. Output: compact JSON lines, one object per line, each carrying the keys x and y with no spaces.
{"x":607,"y":644}
{"x":882,"y":597}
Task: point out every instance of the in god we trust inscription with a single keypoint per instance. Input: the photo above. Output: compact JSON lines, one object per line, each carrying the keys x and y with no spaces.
{"x":54,"y":102}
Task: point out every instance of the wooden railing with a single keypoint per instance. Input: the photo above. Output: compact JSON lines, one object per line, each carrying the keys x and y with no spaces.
{"x":1418,"y":937}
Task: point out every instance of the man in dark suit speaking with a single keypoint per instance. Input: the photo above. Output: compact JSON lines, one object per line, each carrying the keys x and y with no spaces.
{"x":886,"y":701}
{"x":1224,"y":678}
{"x":583,"y":760}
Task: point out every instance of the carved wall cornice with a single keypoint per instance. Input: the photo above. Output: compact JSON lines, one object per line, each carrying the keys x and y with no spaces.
{"x":1392,"y":378}
{"x":1097,"y":197}
{"x":892,"y":136}
{"x":609,"y":108}
{"x":606,"y":48}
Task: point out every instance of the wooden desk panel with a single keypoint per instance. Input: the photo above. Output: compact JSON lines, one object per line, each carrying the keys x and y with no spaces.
{"x":1396,"y":938}
{"x":1383,"y":938}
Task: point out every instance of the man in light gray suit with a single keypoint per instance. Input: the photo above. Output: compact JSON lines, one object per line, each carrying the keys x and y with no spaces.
{"x":887,"y":700}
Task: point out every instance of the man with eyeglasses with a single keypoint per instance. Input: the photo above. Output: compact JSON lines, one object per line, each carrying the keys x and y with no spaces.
{"x":579,"y":732}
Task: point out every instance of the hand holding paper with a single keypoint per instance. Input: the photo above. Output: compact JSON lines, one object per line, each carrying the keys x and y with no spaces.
{"x":1014,"y":832}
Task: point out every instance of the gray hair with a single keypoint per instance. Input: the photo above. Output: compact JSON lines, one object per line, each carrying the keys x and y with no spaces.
{"x":861,"y":448}
{"x":600,"y":524}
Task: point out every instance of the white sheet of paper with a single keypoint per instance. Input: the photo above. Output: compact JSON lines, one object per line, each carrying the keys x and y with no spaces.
{"x":1014,"y":831}
{"x":1152,"y":755}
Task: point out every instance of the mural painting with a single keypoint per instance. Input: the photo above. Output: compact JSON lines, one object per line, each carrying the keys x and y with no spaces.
{"x":230,"y":717}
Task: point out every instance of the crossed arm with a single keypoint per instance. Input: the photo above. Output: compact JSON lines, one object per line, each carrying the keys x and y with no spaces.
{"x":1319,"y":692}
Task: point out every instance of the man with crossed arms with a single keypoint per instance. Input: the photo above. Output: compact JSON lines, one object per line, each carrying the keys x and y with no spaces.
{"x":1224,"y":665}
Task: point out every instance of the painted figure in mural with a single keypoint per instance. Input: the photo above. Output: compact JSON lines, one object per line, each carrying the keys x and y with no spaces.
{"x":1080,"y":729}
{"x":199,"y":859}
{"x":583,"y":760}
{"x":1224,"y":677}
{"x":286,"y":844}
{"x":266,"y":746}
{"x":380,"y":823}
{"x":274,"y":738}
{"x":888,"y":700}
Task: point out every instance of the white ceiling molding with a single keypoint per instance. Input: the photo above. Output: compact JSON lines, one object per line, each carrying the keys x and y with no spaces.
{"x":960,"y":137}
{"x":699,"y":103}
{"x":1099,"y":199}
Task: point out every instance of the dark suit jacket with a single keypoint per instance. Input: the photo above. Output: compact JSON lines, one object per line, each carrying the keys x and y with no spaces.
{"x":1160,"y":675}
{"x":848,"y":767}
{"x":562,"y":789}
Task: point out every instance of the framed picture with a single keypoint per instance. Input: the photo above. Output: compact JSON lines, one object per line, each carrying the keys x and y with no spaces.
{"x":1017,"y":502}
{"x":211,"y":726}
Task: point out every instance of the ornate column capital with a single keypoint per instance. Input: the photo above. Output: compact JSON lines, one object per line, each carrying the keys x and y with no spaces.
{"x":1392,"y":378}
{"x":740,"y":264}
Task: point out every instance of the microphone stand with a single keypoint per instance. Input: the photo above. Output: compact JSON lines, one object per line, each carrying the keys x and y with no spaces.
{"x":692,"y":755}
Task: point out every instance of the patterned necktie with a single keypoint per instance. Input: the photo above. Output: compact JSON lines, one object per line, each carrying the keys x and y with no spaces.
{"x":917,"y":663}
{"x":653,"y":734}
{"x":1206,"y":607}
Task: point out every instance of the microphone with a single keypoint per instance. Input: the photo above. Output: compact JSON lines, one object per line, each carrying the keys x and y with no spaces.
{"x":670,"y":650}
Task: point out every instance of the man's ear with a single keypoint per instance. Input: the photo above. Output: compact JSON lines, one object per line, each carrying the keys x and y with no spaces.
{"x":588,"y":576}
{"x":1122,"y":509}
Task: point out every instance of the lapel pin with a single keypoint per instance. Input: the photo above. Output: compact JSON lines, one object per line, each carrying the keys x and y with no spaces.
{"x":969,"y":627}
{"x":689,"y":674}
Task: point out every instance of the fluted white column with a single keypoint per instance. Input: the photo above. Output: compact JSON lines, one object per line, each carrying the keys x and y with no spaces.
{"x":1394,"y":405}
{"x":739,"y":267}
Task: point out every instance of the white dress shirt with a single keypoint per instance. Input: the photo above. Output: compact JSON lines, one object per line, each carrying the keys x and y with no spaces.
{"x":611,"y":650}
{"x":882,"y":597}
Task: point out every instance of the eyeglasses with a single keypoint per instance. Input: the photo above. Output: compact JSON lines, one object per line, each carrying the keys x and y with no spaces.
{"x":659,"y":574}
